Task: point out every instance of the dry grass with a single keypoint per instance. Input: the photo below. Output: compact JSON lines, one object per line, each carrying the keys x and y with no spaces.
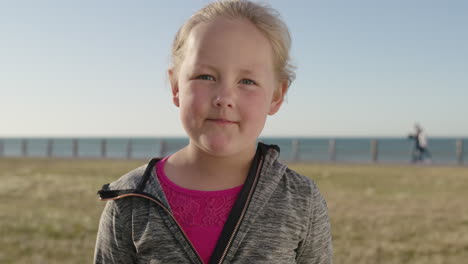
{"x":395,"y":214}
{"x":380,"y":214}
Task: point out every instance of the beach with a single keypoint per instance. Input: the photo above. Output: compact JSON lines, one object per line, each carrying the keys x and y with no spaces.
{"x":49,"y":209}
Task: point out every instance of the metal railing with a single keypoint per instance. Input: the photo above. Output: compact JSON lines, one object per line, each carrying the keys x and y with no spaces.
{"x":296,"y":149}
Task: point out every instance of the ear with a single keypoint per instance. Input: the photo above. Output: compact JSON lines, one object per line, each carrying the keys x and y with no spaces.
{"x":174,"y":87}
{"x":278,"y":96}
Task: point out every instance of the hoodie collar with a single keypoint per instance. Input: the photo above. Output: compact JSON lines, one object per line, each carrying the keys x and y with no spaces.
{"x":144,"y":179}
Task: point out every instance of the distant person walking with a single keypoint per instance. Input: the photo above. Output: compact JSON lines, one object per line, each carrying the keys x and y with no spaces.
{"x":420,"y":150}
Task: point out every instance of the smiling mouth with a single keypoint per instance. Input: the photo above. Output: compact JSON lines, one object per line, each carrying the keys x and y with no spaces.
{"x":221,"y":121}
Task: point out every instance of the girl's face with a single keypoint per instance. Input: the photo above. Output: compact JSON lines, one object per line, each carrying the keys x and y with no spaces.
{"x":226,"y":86}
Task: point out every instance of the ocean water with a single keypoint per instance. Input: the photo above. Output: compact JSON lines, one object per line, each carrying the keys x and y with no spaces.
{"x":390,"y":150}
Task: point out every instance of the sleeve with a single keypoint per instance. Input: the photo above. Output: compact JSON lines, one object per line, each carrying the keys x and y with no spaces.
{"x":317,"y":246}
{"x":114,"y":240}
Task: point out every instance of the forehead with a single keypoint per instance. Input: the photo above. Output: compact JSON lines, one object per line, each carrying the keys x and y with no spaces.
{"x":233,"y":42}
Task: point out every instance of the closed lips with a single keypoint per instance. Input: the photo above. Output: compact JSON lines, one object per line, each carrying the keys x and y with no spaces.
{"x":221,"y":121}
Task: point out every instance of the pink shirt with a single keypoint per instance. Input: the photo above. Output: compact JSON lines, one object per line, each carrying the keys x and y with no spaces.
{"x":201,"y":214}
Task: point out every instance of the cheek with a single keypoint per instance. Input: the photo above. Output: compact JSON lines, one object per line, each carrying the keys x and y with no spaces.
{"x":189,"y":113}
{"x":193,"y":102}
{"x":259,"y":103}
{"x":256,"y":108}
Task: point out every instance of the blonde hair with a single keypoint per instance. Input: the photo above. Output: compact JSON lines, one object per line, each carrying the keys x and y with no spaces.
{"x":265,"y":18}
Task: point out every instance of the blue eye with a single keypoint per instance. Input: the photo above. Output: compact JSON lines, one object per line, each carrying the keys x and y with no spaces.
{"x":247,"y":81}
{"x":206,"y":77}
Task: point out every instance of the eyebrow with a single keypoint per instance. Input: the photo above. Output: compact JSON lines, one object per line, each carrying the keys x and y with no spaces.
{"x":203,"y":65}
{"x":245,"y":71}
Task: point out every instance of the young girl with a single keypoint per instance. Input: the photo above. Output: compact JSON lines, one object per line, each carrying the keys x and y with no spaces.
{"x":223,"y":198}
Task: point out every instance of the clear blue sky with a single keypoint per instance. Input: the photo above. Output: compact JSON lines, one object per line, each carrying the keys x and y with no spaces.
{"x":365,"y":68}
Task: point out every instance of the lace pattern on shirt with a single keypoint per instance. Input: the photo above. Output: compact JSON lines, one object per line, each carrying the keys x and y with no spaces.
{"x":202,"y":211}
{"x":197,"y":208}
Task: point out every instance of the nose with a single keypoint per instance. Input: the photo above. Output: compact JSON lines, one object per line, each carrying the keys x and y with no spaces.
{"x":224,"y":98}
{"x":222,"y":102}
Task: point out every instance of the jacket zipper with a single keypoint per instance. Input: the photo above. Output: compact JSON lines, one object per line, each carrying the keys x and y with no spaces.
{"x":231,"y":238}
{"x":168,"y":212}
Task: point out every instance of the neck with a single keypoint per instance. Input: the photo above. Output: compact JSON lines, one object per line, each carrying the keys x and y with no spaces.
{"x":194,"y":169}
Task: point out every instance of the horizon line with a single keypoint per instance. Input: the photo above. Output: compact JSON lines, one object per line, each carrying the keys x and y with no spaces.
{"x":186,"y":137}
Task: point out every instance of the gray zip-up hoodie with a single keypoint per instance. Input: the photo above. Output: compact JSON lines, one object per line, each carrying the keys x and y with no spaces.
{"x":278,"y":217}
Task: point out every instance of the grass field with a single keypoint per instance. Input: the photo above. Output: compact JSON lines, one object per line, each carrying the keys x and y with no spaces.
{"x":49,"y":210}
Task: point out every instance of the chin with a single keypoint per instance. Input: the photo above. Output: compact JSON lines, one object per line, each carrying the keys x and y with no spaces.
{"x":220,"y":147}
{"x":222,"y":150}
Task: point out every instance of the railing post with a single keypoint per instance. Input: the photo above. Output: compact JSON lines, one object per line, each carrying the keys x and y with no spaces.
{"x":460,"y":153}
{"x":332,"y":149}
{"x":129,"y":148}
{"x":75,"y":148}
{"x":103,"y":148}
{"x":50,"y":147}
{"x":162,"y":147}
{"x":24,"y":147}
{"x":374,"y":150}
{"x":295,"y":149}
{"x":2,"y":148}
